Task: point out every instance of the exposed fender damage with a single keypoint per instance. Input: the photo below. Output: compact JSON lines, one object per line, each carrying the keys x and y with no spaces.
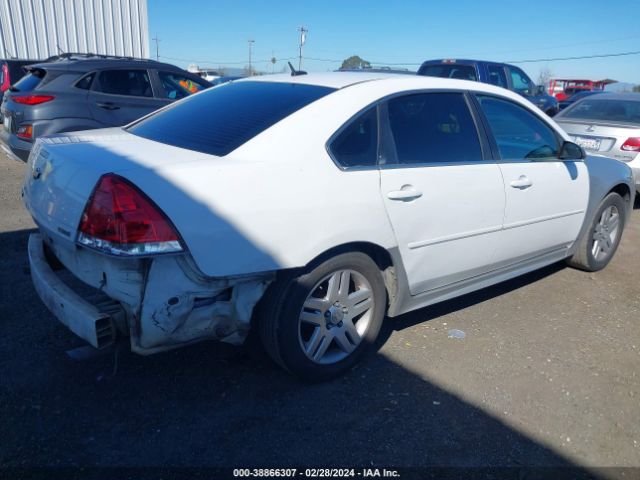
{"x":180,"y":306}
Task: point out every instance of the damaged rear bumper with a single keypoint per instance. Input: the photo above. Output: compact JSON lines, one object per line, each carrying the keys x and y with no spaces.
{"x":160,"y":302}
{"x":83,"y":318}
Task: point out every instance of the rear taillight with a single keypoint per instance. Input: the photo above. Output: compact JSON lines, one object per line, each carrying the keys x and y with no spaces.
{"x":25,"y":131}
{"x":631,"y":145}
{"x":6,"y":83}
{"x":119,"y":219}
{"x":32,"y":99}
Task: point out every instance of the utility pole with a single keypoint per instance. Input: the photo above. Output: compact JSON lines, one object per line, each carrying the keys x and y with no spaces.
{"x":251,"y":42}
{"x":157,"y":40}
{"x":303,"y":38}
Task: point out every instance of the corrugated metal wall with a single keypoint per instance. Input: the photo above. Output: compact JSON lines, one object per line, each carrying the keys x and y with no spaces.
{"x":37,"y":29}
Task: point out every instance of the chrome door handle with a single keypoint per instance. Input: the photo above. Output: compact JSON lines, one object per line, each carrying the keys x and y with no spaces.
{"x":405,"y":194}
{"x":522,"y":182}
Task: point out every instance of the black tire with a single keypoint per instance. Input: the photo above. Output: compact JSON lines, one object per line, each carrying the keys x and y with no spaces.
{"x":280,"y":309}
{"x":583,"y":258}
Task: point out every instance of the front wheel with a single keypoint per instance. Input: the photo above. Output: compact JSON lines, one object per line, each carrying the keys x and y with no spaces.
{"x":598,"y":244}
{"x":320,"y":322}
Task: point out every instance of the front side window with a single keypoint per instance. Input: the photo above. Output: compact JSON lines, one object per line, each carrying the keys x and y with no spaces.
{"x":221,"y":119}
{"x":178,"y":86}
{"x":126,"y":82}
{"x":357,"y":144}
{"x":520,"y":81}
{"x":433,"y":127}
{"x":497,"y":76}
{"x":519,"y":133}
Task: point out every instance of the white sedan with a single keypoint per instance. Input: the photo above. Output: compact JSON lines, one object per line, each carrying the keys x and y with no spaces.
{"x":308,"y":208}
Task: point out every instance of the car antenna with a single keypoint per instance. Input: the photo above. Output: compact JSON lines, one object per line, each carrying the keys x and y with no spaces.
{"x":294,"y":72}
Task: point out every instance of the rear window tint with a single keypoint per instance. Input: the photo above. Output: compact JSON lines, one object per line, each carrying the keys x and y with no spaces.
{"x":623,"y":111}
{"x":221,"y":119}
{"x":29,"y":82}
{"x":450,"y":70}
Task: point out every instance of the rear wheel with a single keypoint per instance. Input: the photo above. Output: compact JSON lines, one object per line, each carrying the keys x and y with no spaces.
{"x":598,"y":244}
{"x":320,"y":322}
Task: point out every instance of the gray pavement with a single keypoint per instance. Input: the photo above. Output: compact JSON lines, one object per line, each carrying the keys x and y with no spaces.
{"x":546,"y":375}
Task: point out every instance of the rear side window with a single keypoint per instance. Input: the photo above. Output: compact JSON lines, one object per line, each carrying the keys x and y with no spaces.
{"x":450,"y":70}
{"x":497,"y":76}
{"x":178,"y":86}
{"x":433,"y":127}
{"x":357,"y":144}
{"x":85,"y":82}
{"x":28,"y":82}
{"x":519,"y":133}
{"x":126,"y":82}
{"x":221,"y":119}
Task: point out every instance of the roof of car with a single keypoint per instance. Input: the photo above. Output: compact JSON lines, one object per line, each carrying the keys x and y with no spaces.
{"x":328,"y":79}
{"x":86,"y":62}
{"x":340,"y":80}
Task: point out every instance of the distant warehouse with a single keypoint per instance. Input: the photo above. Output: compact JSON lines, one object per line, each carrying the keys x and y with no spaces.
{"x":38,"y":29}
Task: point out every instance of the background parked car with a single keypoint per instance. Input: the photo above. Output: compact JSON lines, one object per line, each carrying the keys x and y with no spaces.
{"x":499,"y":74}
{"x":81,"y":92}
{"x":608,"y":125}
{"x":578,"y":96}
{"x":11,"y":70}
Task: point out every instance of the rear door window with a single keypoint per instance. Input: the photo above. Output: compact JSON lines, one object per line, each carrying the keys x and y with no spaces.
{"x":497,"y":76}
{"x":178,"y":86}
{"x":433,"y":128}
{"x":126,"y":82}
{"x":519,"y":133}
{"x":221,"y":119}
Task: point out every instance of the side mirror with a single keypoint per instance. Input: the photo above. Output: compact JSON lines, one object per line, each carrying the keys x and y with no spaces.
{"x":541,"y":90}
{"x":571,"y":151}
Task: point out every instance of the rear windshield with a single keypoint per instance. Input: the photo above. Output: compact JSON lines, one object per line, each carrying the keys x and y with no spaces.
{"x":620,"y":111}
{"x":449,"y":70}
{"x":221,"y":119}
{"x":28,"y":82}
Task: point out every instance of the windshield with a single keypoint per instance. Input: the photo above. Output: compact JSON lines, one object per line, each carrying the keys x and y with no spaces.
{"x":221,"y":119}
{"x":449,"y":70}
{"x":621,"y":111}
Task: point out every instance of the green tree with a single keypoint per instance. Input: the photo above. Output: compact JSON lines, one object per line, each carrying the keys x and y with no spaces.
{"x":636,"y":88}
{"x":354,"y":62}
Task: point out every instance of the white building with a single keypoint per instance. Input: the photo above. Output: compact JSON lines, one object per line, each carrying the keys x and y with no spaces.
{"x":37,"y":29}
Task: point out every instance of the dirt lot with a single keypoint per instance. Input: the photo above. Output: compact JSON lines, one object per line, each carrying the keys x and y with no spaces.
{"x":547,"y":375}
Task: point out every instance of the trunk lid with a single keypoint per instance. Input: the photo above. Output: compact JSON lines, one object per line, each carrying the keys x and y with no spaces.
{"x":602,"y":138}
{"x":63,"y":170}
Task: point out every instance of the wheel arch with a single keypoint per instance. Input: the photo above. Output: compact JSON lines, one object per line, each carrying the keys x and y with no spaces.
{"x":623,"y":190}
{"x":381,"y":257}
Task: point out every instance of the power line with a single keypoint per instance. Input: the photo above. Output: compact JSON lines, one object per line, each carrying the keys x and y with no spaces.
{"x":575,"y":58}
{"x":394,"y":64}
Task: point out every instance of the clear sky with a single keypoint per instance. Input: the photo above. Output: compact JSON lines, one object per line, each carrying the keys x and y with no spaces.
{"x":212,"y":33}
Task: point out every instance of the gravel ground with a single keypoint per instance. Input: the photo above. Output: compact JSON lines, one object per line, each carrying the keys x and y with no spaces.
{"x":546,"y":375}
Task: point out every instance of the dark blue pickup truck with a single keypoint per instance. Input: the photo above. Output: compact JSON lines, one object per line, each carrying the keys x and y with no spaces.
{"x":499,"y":74}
